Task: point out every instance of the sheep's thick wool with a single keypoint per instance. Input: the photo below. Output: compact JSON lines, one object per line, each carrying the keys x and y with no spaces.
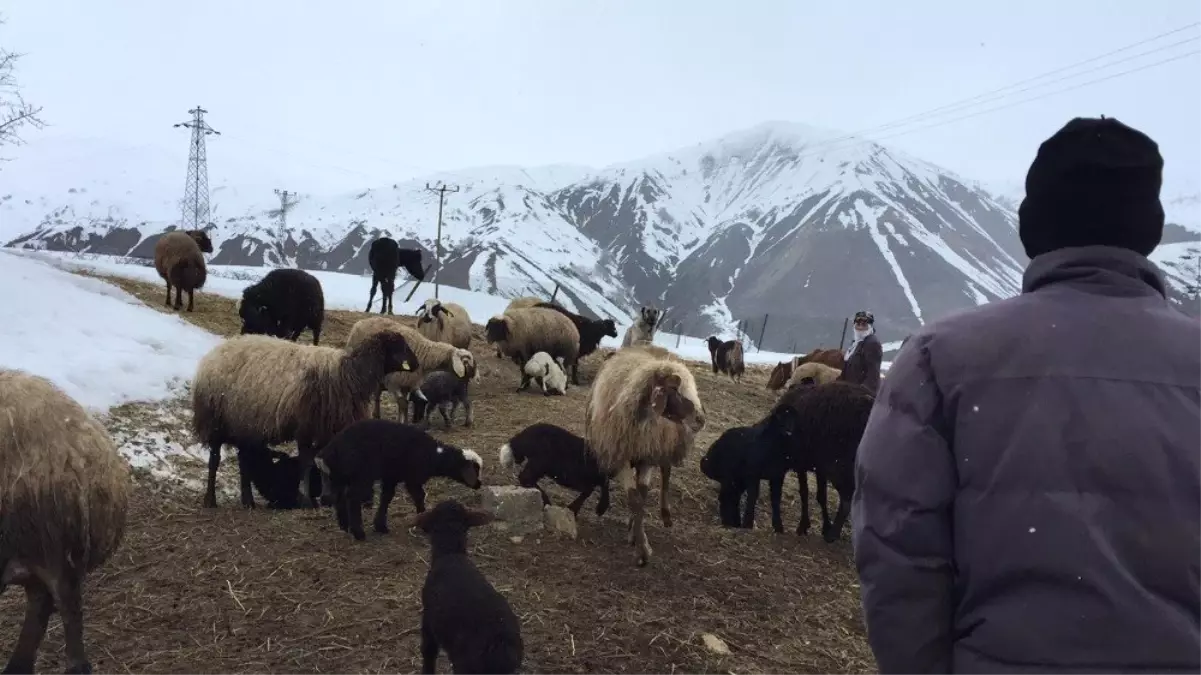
{"x":1095,"y":182}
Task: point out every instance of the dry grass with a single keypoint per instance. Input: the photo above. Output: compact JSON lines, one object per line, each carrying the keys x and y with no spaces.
{"x":228,"y":590}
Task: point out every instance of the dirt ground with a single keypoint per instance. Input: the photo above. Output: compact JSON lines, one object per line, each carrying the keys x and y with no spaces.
{"x":229,"y":590}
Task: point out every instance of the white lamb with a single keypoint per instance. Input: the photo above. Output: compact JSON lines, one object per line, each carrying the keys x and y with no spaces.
{"x":549,"y":372}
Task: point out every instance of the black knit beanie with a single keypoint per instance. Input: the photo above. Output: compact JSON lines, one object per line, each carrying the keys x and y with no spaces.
{"x":1094,"y":183}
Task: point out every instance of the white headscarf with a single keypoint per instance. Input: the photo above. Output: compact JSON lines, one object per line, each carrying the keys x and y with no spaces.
{"x":859,"y":337}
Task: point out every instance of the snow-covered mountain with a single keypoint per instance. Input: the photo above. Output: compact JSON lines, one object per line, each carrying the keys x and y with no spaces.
{"x":776,"y":220}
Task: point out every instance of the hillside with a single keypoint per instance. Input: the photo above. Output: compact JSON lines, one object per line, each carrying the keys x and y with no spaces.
{"x":776,"y":220}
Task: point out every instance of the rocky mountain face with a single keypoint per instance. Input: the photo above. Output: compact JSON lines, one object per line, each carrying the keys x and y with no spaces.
{"x":781,"y":227}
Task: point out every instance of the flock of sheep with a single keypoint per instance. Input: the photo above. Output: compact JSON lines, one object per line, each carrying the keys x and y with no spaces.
{"x":64,"y":489}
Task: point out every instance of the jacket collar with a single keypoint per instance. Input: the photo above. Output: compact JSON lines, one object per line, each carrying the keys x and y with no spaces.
{"x":1104,"y":270}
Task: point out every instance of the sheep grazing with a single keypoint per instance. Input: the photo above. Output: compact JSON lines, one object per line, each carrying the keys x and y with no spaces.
{"x":384,"y":257}
{"x":741,"y":457}
{"x":547,"y":371}
{"x":253,"y":391}
{"x":592,"y":331}
{"x":445,"y":391}
{"x":521,"y":333}
{"x":812,"y":373}
{"x":779,"y":376}
{"x":444,"y":322}
{"x":727,"y":357}
{"x":827,"y":357}
{"x":461,"y":612}
{"x":642,"y":331}
{"x":276,"y":476}
{"x":548,"y":450}
{"x":392,"y":453}
{"x":642,"y":411}
{"x":283,"y":303}
{"x":179,"y":261}
{"x":431,"y":356}
{"x":64,"y":491}
{"x":830,"y":422}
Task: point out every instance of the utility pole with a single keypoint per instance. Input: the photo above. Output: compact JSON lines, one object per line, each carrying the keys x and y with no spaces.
{"x":441,"y":190}
{"x":284,"y":205}
{"x":195,"y":203}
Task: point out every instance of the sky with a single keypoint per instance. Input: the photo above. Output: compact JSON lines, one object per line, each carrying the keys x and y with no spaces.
{"x":375,"y":92}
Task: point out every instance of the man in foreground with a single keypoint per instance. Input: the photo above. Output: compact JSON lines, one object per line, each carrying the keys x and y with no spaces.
{"x":1028,"y":487}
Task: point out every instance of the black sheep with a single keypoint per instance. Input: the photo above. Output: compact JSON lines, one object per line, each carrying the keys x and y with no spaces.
{"x":283,"y":303}
{"x":830,"y":422}
{"x":384,"y":257}
{"x":743,"y":456}
{"x":446,"y":391}
{"x":548,"y":450}
{"x":592,"y":331}
{"x":392,"y":453}
{"x":726,"y":357}
{"x":276,"y":475}
{"x":461,"y":613}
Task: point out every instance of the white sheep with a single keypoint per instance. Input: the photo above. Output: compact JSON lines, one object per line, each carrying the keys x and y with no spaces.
{"x":521,"y":333}
{"x":547,"y":371}
{"x":444,"y":322}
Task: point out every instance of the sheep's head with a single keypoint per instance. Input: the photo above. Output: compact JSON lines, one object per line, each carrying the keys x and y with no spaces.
{"x":667,"y":401}
{"x":257,"y":319}
{"x":497,"y":329}
{"x":783,"y":421}
{"x":713,"y":343}
{"x":463,"y":364}
{"x":650,"y":316}
{"x":779,"y":376}
{"x":397,"y":353}
{"x":610,"y":328}
{"x":459,"y":464}
{"x":449,"y":517}
{"x":410,"y":259}
{"x":425,"y":312}
{"x":202,"y":240}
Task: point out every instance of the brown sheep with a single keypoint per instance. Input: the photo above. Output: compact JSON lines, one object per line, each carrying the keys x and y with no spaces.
{"x":828,"y":357}
{"x":64,"y":492}
{"x":812,"y":373}
{"x":779,"y":376}
{"x":179,"y":260}
{"x":643,"y":411}
{"x":727,"y":357}
{"x":521,"y":333}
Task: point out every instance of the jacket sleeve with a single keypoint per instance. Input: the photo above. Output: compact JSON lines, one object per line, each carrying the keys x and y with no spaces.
{"x":905,"y":482}
{"x":873,"y":358}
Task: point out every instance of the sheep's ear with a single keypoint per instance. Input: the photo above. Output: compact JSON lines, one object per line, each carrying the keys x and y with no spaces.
{"x":476,"y":518}
{"x":321,"y":465}
{"x":658,"y":400}
{"x":446,"y":311}
{"x":671,"y":380}
{"x":456,"y":363}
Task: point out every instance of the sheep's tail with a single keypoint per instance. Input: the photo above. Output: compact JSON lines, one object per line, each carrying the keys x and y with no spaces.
{"x":506,"y":456}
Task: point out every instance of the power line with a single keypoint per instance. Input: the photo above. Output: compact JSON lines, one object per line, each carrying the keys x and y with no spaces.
{"x":284,"y":205}
{"x":195,"y":204}
{"x":960,"y":103}
{"x":441,"y":190}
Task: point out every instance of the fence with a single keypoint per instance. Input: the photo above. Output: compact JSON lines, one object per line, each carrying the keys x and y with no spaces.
{"x":783,"y":333}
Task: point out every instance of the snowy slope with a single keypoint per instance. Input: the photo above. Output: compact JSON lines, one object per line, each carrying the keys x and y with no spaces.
{"x":774,"y":220}
{"x":102,"y":346}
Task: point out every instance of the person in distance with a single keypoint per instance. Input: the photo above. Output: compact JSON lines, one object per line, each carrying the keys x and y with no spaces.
{"x":1028,"y":486}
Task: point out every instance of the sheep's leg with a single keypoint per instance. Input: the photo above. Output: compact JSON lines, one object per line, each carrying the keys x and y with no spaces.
{"x":378,"y":395}
{"x":340,"y":507}
{"x":802,"y":527}
{"x":664,"y":483}
{"x":387,"y":491}
{"x":575,"y":372}
{"x":429,"y":647}
{"x":244,"y":476}
{"x":728,"y":496}
{"x":304,"y":454}
{"x":402,"y":405}
{"x":468,"y":413}
{"x":823,"y":499}
{"x":445,"y":418}
{"x":38,"y":608}
{"x":752,"y":500}
{"x":603,"y":504}
{"x":326,"y":490}
{"x":525,"y":382}
{"x":626,"y":477}
{"x":528,"y":478}
{"x":776,"y":485}
{"x":417,"y":494}
{"x":354,"y":510}
{"x":845,"y":493}
{"x":578,"y":502}
{"x":210,"y":493}
{"x":191,"y":299}
{"x":642,"y":554}
{"x":178,"y":298}
{"x":68,"y":598}
{"x":388,"y":289}
{"x":168,"y":301}
{"x":371,"y":295}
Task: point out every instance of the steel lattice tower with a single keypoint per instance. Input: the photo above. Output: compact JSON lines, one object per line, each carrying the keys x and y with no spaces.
{"x":195,"y":204}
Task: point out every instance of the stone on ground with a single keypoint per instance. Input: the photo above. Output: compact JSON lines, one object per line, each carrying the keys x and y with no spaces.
{"x":561,"y":520}
{"x":515,"y":508}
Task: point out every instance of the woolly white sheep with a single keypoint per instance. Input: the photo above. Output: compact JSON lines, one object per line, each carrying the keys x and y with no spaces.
{"x":547,"y":371}
{"x":643,"y":411}
{"x":64,"y":492}
{"x":444,"y":322}
{"x":253,"y":391}
{"x":431,"y":356}
{"x":817,"y":373}
{"x":642,"y":331}
{"x":521,"y":333}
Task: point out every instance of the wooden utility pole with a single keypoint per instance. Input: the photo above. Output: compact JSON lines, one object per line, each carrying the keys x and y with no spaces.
{"x":441,"y":190}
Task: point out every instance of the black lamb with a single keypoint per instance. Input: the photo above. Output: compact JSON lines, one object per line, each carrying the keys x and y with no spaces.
{"x":592,"y":331}
{"x":461,"y":613}
{"x":283,"y":303}
{"x":392,"y":453}
{"x":830,"y":423}
{"x":743,"y":456}
{"x":548,"y":450}
{"x":446,"y":391}
{"x":384,"y":257}
{"x":276,"y":476}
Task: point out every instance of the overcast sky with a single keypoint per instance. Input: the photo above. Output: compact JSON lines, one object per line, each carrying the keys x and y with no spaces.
{"x":333,"y":96}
